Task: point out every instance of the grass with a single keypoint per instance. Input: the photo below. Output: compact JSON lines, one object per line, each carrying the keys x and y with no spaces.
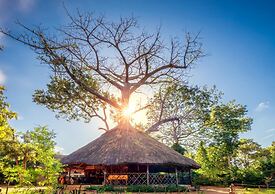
{"x":23,"y":190}
{"x":256,"y":191}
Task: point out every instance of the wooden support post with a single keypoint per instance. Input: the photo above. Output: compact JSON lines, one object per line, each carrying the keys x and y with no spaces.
{"x":147,"y":175}
{"x":69,"y":176}
{"x":190,"y":176}
{"x":177,"y":178}
{"x":105,"y":177}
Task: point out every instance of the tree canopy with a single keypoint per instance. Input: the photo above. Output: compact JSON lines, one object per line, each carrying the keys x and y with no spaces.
{"x":98,"y":64}
{"x":187,"y":108}
{"x":27,"y":158}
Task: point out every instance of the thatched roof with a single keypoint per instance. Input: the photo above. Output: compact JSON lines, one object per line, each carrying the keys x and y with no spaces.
{"x":59,"y":156}
{"x":127,"y":146}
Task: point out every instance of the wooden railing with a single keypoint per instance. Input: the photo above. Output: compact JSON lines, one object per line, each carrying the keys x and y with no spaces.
{"x":142,"y":178}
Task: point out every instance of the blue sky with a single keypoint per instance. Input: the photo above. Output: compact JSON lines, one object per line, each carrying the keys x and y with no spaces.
{"x":238,"y":37}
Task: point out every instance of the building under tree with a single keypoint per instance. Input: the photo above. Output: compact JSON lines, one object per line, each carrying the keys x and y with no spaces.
{"x":127,"y":156}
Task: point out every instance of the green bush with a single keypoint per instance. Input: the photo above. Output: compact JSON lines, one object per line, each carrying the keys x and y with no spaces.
{"x":102,"y":189}
{"x":138,"y":188}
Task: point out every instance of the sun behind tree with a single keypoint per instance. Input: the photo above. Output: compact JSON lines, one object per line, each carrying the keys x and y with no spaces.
{"x":92,"y":60}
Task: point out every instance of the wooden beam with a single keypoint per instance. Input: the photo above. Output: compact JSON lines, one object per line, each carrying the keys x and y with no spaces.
{"x":190,"y":176}
{"x":69,"y":173}
{"x":177,"y":178}
{"x":105,"y":176}
{"x":147,"y":175}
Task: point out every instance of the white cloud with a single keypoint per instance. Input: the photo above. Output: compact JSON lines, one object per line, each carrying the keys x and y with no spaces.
{"x":2,"y":77}
{"x":1,"y":36}
{"x":20,"y":117}
{"x":59,"y":150}
{"x":262,"y":106}
{"x":9,"y":8}
{"x":268,"y":136}
{"x":270,"y":130}
{"x":25,"y":5}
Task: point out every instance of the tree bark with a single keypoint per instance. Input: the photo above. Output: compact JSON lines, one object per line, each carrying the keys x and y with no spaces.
{"x":24,"y":163}
{"x":125,"y":97}
{"x":7,"y":188}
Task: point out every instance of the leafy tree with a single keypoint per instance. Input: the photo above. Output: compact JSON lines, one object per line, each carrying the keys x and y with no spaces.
{"x":202,"y":156}
{"x":246,"y":162}
{"x":227,"y":121}
{"x":8,"y":141}
{"x":97,"y":65}
{"x":177,"y":147}
{"x":26,"y":158}
{"x":6,"y":132}
{"x":212,"y":169}
{"x":247,"y":153}
{"x":221,"y":160}
{"x":38,"y":157}
{"x":187,"y":108}
{"x":268,"y":164}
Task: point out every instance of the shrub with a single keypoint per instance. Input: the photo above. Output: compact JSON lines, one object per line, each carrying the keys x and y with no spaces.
{"x":138,"y":188}
{"x":101,"y":189}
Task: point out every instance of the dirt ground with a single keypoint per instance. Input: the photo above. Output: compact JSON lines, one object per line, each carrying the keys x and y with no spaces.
{"x":213,"y":190}
{"x":204,"y":190}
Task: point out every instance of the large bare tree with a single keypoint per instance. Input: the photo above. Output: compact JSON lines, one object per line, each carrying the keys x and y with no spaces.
{"x":93,"y":60}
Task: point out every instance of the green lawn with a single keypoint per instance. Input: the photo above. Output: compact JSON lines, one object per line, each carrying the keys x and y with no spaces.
{"x":25,"y":190}
{"x":256,"y":191}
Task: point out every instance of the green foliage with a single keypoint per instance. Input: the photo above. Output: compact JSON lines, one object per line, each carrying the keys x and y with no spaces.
{"x":68,"y":99}
{"x":268,"y":165}
{"x":201,"y":156}
{"x":26,"y":158}
{"x":138,"y":188}
{"x":220,"y":161}
{"x":8,"y":141}
{"x":189,"y":106}
{"x":248,"y":152}
{"x":104,"y":188}
{"x":251,"y":165}
{"x":35,"y":163}
{"x":256,"y":191}
{"x":228,"y":120}
{"x":177,"y":147}
{"x":6,"y":132}
{"x":151,"y":188}
{"x":38,"y":157}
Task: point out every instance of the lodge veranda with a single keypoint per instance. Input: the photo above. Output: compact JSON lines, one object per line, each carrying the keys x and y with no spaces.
{"x":127,"y":156}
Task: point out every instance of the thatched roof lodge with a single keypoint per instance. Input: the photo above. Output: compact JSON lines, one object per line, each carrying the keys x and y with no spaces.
{"x":129,"y":156}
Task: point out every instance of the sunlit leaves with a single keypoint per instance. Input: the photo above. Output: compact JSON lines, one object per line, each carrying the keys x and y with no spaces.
{"x":68,"y":99}
{"x":228,"y":120}
{"x":26,"y":158}
{"x":189,"y":105}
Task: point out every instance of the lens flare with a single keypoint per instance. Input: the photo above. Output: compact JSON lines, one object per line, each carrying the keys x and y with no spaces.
{"x":128,"y":111}
{"x":136,"y":117}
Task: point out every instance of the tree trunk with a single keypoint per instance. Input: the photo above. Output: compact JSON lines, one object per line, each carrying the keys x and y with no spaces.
{"x":228,"y":161}
{"x":24,"y":163}
{"x":125,"y":96}
{"x":16,"y":161}
{"x":7,"y":188}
